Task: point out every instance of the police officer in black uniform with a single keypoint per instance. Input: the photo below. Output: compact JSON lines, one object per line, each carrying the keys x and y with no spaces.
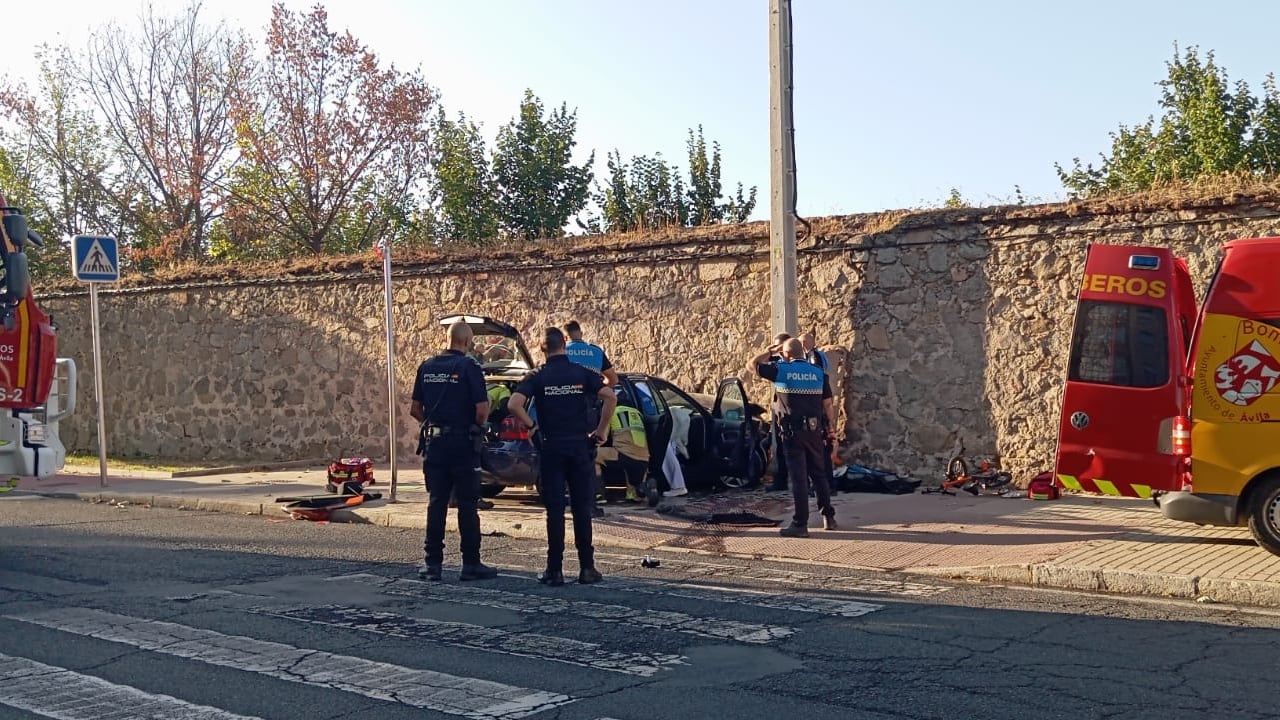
{"x":565,"y":394}
{"x":450,"y":401}
{"x":806,"y":415}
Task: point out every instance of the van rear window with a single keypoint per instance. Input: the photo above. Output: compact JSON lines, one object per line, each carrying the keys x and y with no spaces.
{"x":1120,"y":344}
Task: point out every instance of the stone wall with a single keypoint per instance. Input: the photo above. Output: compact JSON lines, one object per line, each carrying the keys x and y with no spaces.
{"x":946,"y":327}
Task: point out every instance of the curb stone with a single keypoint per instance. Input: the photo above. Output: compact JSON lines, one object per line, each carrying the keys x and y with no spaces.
{"x":1049,"y":575}
{"x":1123,"y":582}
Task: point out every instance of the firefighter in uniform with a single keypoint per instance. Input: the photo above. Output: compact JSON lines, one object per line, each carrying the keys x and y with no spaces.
{"x":805,"y":422}
{"x":450,"y":402}
{"x":564,"y":394}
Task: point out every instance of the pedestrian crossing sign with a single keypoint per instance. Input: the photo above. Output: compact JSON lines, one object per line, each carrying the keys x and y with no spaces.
{"x":95,"y":259}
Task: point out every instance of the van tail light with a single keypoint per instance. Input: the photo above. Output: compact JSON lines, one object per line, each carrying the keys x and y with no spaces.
{"x":1181,"y":436}
{"x":512,"y":429}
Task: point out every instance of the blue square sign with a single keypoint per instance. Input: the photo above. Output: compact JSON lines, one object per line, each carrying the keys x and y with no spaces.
{"x":95,"y":259}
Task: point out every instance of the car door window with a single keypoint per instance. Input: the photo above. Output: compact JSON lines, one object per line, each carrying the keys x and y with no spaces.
{"x":650,"y":405}
{"x":673,"y":397}
{"x":731,"y":403}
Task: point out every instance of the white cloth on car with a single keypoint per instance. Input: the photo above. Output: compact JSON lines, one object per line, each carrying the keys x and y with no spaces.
{"x":671,"y":468}
{"x":680,"y":430}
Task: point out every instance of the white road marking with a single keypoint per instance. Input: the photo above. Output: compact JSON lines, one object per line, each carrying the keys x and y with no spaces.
{"x":479,"y":637}
{"x":745,"y":632}
{"x":810,"y":581}
{"x":61,"y":694}
{"x":756,"y":598}
{"x":451,"y":694}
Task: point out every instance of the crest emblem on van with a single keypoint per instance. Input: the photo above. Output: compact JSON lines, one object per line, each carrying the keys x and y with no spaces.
{"x":1248,"y":375}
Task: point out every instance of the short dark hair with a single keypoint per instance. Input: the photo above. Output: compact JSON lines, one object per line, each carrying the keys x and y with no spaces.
{"x":553,"y":340}
{"x":572,"y":327}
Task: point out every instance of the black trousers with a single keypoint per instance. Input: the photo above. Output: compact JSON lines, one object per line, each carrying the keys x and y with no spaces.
{"x":780,"y":458}
{"x":450,"y":471}
{"x":805,"y":451}
{"x":568,"y":462}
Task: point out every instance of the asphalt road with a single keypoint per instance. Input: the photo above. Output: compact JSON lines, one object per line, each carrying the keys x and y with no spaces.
{"x":128,"y":612}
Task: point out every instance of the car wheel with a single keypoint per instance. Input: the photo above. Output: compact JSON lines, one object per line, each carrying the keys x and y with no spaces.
{"x":1264,"y":513}
{"x":733,"y":482}
{"x":490,"y":491}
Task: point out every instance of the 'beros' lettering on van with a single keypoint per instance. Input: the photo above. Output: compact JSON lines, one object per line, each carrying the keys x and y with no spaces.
{"x":1122,"y":285}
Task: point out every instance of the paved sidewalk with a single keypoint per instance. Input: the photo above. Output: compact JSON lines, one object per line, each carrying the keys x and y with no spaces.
{"x":1078,"y":542}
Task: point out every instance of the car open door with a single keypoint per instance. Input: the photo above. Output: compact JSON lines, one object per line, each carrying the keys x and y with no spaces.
{"x":734,"y":436}
{"x":1125,"y":395}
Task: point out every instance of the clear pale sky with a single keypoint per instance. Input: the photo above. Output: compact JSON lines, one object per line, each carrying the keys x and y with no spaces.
{"x":895,"y":102}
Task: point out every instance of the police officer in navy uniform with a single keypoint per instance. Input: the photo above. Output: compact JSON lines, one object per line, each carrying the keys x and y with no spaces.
{"x":806,"y":408}
{"x":564,"y":394}
{"x":450,"y":401}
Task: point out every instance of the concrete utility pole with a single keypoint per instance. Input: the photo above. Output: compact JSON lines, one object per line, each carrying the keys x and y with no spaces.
{"x":782,"y":175}
{"x":384,"y":252}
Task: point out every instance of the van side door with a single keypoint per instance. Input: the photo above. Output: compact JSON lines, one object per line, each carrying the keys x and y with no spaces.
{"x":1125,"y":388}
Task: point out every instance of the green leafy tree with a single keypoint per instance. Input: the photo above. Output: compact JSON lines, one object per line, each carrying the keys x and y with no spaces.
{"x":704,"y":181}
{"x":333,"y":145}
{"x":1208,"y":126}
{"x":955,"y":200}
{"x":538,"y":186}
{"x":706,"y":203}
{"x":464,"y":185}
{"x":647,"y":193}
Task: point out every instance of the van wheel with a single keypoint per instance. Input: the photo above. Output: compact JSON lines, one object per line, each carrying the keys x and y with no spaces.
{"x":1264,"y":514}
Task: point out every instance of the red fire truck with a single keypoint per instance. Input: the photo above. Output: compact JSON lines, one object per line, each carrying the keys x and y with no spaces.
{"x":37,"y":389}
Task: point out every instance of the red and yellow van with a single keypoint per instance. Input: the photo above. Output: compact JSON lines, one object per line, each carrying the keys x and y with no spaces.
{"x":1168,"y":400}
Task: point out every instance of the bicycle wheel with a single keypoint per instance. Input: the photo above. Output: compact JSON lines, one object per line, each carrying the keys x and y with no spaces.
{"x":956,"y":468}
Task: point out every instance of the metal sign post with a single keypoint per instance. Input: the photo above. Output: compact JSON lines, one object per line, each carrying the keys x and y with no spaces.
{"x":96,"y":260}
{"x":384,"y":251}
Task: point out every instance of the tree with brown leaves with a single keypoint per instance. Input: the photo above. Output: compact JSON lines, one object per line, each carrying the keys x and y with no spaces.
{"x":334,"y":145}
{"x":164,"y":97}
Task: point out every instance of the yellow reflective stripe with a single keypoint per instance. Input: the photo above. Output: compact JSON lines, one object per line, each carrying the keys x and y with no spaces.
{"x":1106,"y":487}
{"x":23,"y":321}
{"x":1069,"y":482}
{"x":1143,"y":491}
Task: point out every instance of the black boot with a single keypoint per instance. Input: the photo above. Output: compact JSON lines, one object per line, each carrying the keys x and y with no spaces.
{"x":430,"y":572}
{"x":479,"y":571}
{"x":554,"y":578}
{"x":796,"y":531}
{"x":589,"y":576}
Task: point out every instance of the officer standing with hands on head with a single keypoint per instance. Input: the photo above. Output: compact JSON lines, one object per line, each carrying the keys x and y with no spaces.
{"x":805,"y":408}
{"x":450,"y":401}
{"x":565,"y":394}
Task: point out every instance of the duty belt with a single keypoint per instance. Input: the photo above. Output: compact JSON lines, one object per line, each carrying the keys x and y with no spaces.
{"x":804,"y":423}
{"x":434,"y":431}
